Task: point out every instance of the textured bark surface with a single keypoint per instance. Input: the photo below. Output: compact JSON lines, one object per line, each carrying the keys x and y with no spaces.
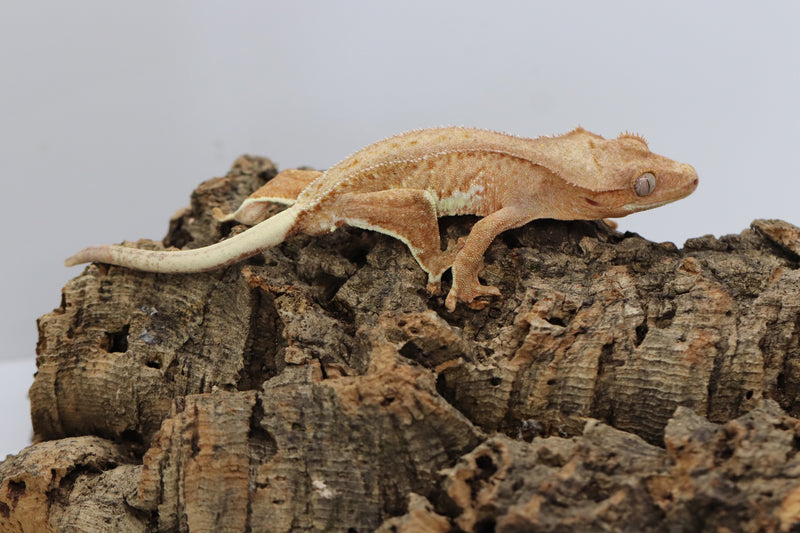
{"x":618,"y":384}
{"x":738,"y":476}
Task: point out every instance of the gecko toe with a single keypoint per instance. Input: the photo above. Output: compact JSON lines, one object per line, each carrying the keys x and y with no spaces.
{"x":478,"y":304}
{"x":219,"y":215}
{"x":470,"y":297}
{"x":488,"y":290}
{"x":434,"y":288}
{"x":451,"y":301}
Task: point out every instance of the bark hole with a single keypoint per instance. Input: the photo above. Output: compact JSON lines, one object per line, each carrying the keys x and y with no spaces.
{"x":412,"y":351}
{"x":15,"y":490}
{"x":118,"y":340}
{"x":641,"y":333}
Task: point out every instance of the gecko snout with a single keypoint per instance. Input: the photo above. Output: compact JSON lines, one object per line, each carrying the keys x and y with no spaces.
{"x":689,"y":171}
{"x":687,"y":178}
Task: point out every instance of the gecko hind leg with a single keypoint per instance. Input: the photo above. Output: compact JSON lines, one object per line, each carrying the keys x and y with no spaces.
{"x":408,"y":215}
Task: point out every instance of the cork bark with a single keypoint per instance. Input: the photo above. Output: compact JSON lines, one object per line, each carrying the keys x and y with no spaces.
{"x":618,"y":384}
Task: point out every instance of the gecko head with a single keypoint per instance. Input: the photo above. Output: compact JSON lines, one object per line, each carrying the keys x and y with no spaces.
{"x":632,"y":178}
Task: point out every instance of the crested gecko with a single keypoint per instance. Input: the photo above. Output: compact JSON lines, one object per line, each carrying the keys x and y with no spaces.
{"x":401,"y":185}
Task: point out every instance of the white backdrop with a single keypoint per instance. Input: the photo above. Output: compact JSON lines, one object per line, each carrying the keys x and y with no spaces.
{"x":111,"y":113}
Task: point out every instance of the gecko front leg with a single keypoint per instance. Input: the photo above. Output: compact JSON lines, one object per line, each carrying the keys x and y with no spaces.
{"x":469,"y":260}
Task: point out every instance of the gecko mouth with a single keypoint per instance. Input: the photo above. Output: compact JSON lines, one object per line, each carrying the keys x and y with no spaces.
{"x":632,"y":208}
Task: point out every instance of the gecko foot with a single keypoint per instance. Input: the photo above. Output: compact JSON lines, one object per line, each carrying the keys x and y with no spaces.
{"x":468,"y":296}
{"x":434,"y":288}
{"x":219,"y":215}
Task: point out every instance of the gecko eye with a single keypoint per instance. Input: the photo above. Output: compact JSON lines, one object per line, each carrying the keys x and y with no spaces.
{"x":645,"y":184}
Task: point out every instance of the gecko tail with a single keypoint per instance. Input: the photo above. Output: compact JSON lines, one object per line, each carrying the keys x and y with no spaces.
{"x":92,"y":254}
{"x":266,"y":234}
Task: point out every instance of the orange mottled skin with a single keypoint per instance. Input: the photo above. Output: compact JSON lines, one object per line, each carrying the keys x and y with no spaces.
{"x":401,"y":185}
